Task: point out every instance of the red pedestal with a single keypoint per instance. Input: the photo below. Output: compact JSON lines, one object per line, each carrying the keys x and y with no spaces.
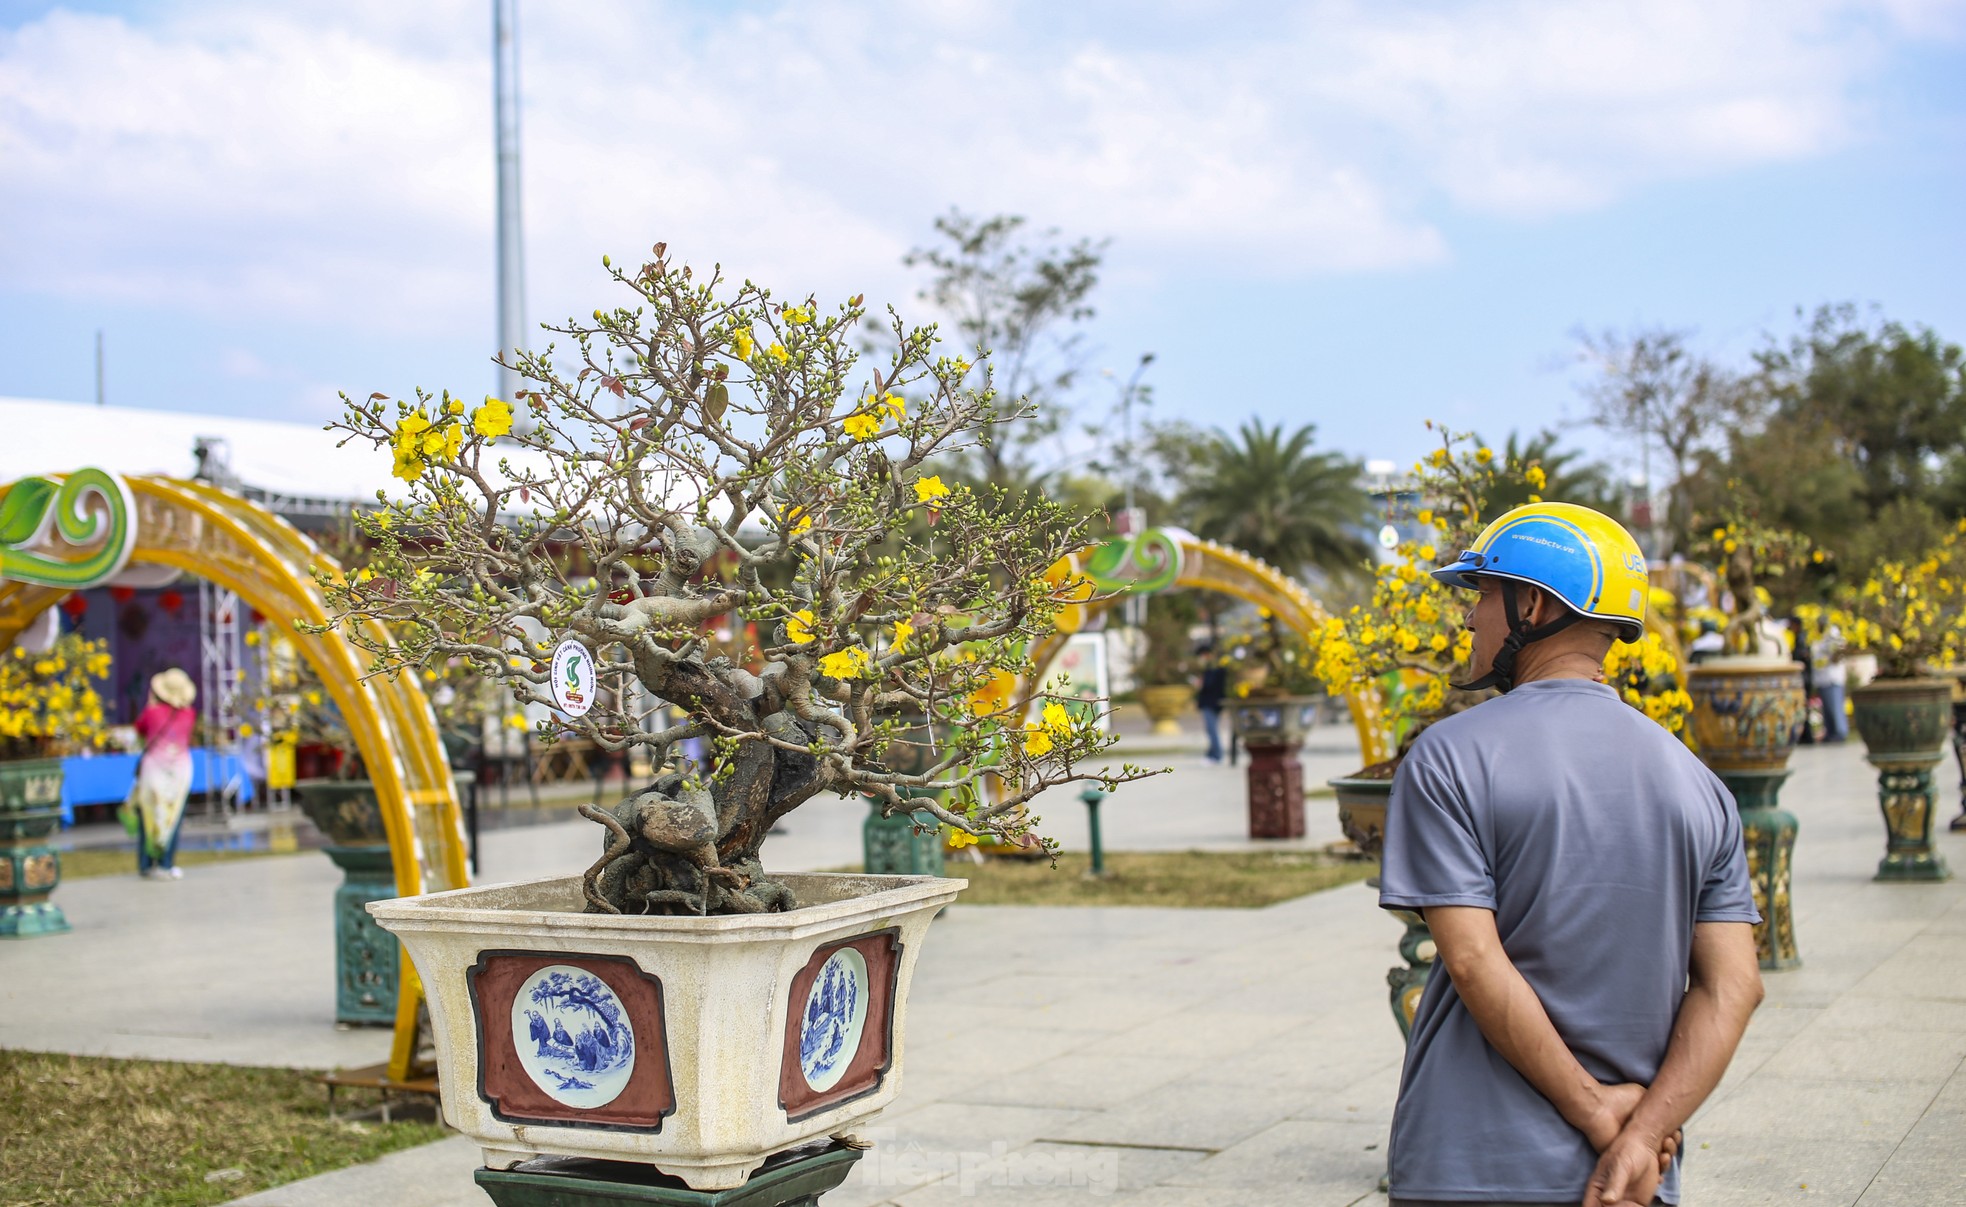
{"x":1276,"y":792}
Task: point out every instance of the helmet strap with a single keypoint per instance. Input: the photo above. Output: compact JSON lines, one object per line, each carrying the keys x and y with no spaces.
{"x":1501,"y":673}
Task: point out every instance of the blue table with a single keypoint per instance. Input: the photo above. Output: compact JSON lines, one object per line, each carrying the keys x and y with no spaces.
{"x":106,"y":779}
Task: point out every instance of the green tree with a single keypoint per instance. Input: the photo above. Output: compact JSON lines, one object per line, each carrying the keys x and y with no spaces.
{"x":1891,"y":400}
{"x":1274,"y":496}
{"x":1022,"y":304}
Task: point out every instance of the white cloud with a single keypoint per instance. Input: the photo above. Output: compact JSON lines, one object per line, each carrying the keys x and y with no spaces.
{"x":332,"y":161}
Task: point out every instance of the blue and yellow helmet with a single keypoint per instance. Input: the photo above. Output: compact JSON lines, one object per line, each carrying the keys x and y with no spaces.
{"x":1583,"y":557}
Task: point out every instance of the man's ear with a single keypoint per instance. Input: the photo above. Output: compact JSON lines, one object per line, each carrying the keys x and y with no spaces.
{"x":1531,"y":603}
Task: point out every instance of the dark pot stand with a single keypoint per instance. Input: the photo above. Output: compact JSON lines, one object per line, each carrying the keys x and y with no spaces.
{"x":793,"y":1179}
{"x":1910,"y":801}
{"x":1959,"y":756}
{"x":1769,"y":835}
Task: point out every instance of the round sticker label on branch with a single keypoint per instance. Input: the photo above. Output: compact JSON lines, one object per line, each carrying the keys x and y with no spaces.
{"x":573,"y":678}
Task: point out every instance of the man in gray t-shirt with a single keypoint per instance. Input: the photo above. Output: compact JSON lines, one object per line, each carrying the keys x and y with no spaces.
{"x":1584,"y":879}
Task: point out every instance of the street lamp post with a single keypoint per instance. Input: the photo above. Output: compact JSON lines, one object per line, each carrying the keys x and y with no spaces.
{"x":511,"y":237}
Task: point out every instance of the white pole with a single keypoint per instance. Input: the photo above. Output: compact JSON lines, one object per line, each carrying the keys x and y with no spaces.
{"x":511,"y":239}
{"x":98,"y":366}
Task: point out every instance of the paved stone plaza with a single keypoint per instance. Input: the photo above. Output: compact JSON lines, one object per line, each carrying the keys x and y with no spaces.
{"x":1151,"y":1057}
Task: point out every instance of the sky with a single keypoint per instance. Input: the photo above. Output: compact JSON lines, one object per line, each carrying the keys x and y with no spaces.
{"x":1356,"y":215}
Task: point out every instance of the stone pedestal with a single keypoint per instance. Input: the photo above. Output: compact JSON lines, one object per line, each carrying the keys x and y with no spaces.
{"x":1276,"y":792}
{"x":907,"y":844}
{"x":1416,"y":947}
{"x":367,"y":957}
{"x":1769,"y":833}
{"x":1959,"y":756}
{"x":794,"y":1179}
{"x":1909,"y":800}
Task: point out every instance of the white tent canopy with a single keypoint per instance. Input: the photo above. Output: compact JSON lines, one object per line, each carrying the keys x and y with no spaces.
{"x":291,"y":467}
{"x":296,"y":460}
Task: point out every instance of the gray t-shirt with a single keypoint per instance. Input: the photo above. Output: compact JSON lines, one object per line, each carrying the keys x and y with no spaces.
{"x":1599,"y":840}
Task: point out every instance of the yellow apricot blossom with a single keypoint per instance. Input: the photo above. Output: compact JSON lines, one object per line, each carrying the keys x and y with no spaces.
{"x":848,"y":663}
{"x":492,"y":420}
{"x":798,"y":627}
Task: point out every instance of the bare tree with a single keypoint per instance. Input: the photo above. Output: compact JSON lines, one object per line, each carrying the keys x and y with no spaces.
{"x":1651,"y":387}
{"x":1022,"y":304}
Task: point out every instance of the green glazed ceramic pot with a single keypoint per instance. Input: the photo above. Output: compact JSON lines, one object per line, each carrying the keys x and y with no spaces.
{"x":1901,"y":717}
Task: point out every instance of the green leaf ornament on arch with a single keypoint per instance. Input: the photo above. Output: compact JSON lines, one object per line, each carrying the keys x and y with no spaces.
{"x":1146,"y":563}
{"x":90,"y":511}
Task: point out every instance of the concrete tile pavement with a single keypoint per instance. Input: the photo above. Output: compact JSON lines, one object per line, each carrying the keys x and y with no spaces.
{"x":1154,"y":1057}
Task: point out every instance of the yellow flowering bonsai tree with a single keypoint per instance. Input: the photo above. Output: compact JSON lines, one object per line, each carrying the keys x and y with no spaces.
{"x":1911,"y":615}
{"x":701,"y":452}
{"x":48,"y":701}
{"x":1754,"y":557}
{"x":1408,"y":642}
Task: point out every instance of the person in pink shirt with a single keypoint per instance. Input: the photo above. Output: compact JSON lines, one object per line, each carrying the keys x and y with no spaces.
{"x":164,"y":773}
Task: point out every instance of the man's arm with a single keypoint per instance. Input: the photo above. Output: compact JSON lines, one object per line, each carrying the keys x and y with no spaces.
{"x":1723,"y":990}
{"x":1514,"y":1023}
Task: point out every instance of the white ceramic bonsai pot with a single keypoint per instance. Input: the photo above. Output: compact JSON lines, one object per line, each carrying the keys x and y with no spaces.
{"x":698,"y":1045}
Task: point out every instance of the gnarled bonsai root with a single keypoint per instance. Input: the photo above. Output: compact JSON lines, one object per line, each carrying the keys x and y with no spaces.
{"x":661,"y":858}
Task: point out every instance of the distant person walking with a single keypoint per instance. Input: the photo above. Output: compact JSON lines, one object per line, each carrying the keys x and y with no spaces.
{"x":1209,"y":693}
{"x":1586,"y":885}
{"x":1832,"y":678}
{"x":164,"y":773}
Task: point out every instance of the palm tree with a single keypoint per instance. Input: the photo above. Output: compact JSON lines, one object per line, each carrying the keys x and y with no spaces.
{"x":1567,"y":479}
{"x":1272,"y":496}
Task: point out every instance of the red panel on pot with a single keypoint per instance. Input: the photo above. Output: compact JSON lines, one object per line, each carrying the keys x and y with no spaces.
{"x":839,"y":1024}
{"x":575,"y":1039}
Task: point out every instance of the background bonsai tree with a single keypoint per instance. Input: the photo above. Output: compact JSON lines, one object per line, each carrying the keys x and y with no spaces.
{"x":703,"y":452}
{"x":48,"y":701}
{"x":1912,"y":614}
{"x":1764,"y":568}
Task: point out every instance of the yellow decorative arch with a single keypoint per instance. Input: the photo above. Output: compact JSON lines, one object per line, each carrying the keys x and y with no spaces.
{"x":219,"y":536}
{"x":1167,"y":559}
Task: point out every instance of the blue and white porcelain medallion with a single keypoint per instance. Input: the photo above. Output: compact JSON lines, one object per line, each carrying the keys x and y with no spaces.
{"x":573,"y":1036}
{"x":835,"y":1015}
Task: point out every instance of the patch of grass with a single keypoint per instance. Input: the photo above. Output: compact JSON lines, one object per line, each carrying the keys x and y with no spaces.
{"x":104,"y":861}
{"x":84,"y":1130}
{"x":1183,"y":879}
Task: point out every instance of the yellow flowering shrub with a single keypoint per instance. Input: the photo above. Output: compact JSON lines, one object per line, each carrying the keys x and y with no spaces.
{"x":48,"y":701}
{"x":1408,"y":636}
{"x":1646,"y":675}
{"x":1408,"y":641}
{"x":1757,"y":561}
{"x":1912,"y":615}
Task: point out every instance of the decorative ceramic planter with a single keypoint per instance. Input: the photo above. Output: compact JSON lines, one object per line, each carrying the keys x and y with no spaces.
{"x":30,"y":865}
{"x":344,"y":811}
{"x":1164,"y":704}
{"x":698,"y":1045}
{"x":1903,"y":718}
{"x":1747,"y":714}
{"x":1362,"y":815}
{"x":368,"y":960}
{"x":1273,"y":721}
{"x":1362,"y":811}
{"x":1905,"y":724}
